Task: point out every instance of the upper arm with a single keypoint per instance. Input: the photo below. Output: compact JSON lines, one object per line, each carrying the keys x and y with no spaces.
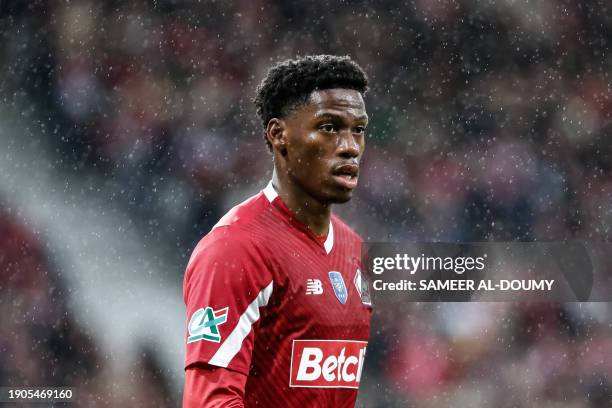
{"x":226,"y":283}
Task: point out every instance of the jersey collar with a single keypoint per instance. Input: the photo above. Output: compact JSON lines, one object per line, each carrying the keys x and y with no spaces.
{"x":272,"y":195}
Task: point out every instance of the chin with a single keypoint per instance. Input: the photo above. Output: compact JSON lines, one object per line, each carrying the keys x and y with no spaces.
{"x":332,"y":194}
{"x":341,"y":198}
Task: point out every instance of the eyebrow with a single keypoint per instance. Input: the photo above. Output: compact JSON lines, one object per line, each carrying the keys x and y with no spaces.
{"x":321,"y":115}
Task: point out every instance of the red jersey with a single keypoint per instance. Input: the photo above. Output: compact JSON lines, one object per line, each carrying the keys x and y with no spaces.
{"x":267,"y":298}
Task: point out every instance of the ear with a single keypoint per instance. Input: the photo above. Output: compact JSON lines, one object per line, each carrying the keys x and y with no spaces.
{"x":276,"y":135}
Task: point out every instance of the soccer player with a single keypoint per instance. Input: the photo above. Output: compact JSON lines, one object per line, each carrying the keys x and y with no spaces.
{"x":278,"y":312}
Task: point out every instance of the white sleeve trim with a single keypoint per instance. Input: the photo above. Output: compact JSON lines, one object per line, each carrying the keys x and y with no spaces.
{"x":231,"y":346}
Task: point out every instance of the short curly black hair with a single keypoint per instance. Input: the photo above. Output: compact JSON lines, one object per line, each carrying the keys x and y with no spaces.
{"x":289,"y":84}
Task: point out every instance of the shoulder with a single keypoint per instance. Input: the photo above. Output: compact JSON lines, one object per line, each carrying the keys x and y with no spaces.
{"x":234,"y":226}
{"x":227,"y":257}
{"x":227,"y":236}
{"x":248,"y":211}
{"x":233,"y":237}
{"x":224,"y":243}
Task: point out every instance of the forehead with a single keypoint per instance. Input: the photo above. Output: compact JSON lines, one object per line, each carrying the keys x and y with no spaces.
{"x":336,"y":101}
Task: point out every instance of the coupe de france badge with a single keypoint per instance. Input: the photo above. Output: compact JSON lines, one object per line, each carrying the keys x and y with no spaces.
{"x":204,"y":323}
{"x":363,"y":288}
{"x":338,"y":285}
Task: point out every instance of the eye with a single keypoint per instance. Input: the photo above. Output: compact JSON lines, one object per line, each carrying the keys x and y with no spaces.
{"x":360,"y":129}
{"x":328,"y":128}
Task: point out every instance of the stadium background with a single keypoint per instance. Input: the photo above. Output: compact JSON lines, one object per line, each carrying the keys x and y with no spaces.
{"x":127,"y":130}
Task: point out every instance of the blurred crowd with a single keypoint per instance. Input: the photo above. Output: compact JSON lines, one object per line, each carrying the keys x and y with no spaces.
{"x":43,"y":344}
{"x":490,"y":120}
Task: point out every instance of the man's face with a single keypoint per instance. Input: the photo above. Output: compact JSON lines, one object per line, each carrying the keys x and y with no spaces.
{"x":325,"y":142}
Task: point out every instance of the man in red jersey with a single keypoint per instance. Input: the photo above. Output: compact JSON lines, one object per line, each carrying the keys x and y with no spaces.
{"x":278,"y":312}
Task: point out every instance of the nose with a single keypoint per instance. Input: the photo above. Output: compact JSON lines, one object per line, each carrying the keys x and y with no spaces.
{"x":348,"y":147}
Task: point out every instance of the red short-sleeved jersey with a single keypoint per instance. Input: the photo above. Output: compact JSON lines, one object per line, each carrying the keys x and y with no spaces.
{"x":266,"y":298}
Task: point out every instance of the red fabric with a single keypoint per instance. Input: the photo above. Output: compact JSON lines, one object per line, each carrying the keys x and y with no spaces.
{"x":259,"y":248}
{"x":212,"y":387}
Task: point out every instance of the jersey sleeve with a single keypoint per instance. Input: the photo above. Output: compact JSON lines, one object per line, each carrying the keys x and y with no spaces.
{"x":226,"y":282}
{"x":208,"y":386}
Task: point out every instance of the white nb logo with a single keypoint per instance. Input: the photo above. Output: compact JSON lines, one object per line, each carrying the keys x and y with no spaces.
{"x":314,"y":287}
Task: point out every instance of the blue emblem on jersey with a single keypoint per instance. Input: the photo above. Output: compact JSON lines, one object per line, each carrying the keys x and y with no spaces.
{"x":339,"y":286}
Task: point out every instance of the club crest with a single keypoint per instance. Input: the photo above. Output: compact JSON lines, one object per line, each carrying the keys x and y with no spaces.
{"x":339,"y":286}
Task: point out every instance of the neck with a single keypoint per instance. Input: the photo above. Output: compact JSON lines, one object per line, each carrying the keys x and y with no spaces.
{"x":310,"y":212}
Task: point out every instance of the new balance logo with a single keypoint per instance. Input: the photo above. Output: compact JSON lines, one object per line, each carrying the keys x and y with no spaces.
{"x":314,"y":287}
{"x":204,"y":323}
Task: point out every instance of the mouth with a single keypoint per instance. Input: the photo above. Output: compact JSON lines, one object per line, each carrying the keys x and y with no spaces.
{"x":346,"y":175}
